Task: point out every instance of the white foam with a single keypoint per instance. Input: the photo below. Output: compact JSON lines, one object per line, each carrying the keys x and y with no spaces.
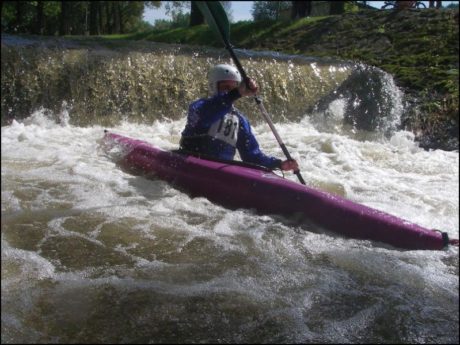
{"x":58,"y":176}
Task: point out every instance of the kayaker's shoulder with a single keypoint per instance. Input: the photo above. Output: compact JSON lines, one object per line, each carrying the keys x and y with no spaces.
{"x":197,"y":103}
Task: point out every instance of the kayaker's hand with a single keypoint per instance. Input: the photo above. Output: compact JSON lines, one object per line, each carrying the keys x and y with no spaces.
{"x":290,"y":164}
{"x":244,"y":91}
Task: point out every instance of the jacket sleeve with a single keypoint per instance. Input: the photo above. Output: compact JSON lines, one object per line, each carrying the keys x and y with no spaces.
{"x":249,"y":150}
{"x":204,"y":112}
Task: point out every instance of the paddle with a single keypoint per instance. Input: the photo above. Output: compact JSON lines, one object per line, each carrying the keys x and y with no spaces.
{"x":217,"y":20}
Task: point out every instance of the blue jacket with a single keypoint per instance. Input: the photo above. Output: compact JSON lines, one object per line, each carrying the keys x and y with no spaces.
{"x":215,"y":128}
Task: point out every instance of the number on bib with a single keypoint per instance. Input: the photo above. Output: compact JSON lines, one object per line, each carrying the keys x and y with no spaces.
{"x":226,"y":129}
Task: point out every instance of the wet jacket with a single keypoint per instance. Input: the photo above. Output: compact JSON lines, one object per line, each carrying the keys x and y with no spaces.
{"x":215,"y":128}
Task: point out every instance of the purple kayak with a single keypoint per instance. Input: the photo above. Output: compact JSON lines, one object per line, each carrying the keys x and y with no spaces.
{"x":241,"y":186}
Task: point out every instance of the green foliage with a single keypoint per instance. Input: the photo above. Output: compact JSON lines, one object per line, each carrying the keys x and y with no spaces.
{"x":351,"y":6}
{"x":180,"y":20}
{"x":10,"y":20}
{"x":112,"y":16}
{"x":8,"y":15}
{"x":140,"y":26}
{"x":269,"y":10}
{"x":152,"y":4}
{"x":174,"y":8}
{"x":52,"y":11}
{"x":131,"y":15}
{"x":181,"y":8}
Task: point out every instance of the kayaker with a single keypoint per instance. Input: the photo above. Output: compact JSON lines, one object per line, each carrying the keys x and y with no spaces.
{"x":216,"y":128}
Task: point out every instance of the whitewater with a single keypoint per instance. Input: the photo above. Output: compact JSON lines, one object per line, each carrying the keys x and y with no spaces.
{"x":93,"y":254}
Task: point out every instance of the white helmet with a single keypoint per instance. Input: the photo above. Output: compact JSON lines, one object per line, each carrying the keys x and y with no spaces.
{"x":222,"y":72}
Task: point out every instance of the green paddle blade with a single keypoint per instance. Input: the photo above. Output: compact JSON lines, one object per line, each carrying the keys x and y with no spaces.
{"x":215,"y":16}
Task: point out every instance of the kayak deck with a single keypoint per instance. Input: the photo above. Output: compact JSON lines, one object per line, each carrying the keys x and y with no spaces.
{"x":241,"y":186}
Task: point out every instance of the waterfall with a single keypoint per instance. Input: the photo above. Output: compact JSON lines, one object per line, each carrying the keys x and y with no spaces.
{"x":143,"y":81}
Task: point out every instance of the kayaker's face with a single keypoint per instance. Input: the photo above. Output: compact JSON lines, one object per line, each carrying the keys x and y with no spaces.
{"x":226,"y":85}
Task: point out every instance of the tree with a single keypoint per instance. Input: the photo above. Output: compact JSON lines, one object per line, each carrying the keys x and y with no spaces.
{"x":94,"y":16}
{"x":269,"y":10}
{"x":116,"y":10}
{"x":64,"y":28}
{"x":73,"y":17}
{"x":438,"y":4}
{"x":131,"y":15}
{"x":152,"y":4}
{"x":300,"y":9}
{"x":176,"y":8}
{"x":40,"y":21}
{"x":19,"y":14}
{"x":51,"y":12}
{"x":36,"y":17}
{"x":336,"y":7}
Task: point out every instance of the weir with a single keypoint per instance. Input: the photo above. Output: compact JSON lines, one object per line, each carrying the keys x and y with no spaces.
{"x":100,"y":82}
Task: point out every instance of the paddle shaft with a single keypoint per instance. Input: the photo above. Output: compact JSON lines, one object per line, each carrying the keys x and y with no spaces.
{"x":278,"y":138}
{"x":257,"y":99}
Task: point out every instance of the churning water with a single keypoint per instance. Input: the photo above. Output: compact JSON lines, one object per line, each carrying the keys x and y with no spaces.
{"x":92,"y":254}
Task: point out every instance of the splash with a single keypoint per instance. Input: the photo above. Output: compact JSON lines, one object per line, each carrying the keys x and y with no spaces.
{"x":368,"y":100}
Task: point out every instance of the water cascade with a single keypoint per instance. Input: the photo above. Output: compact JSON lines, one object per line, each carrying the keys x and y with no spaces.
{"x":143,"y":82}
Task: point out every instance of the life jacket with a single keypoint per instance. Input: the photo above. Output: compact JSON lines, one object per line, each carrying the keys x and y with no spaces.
{"x":220,"y":139}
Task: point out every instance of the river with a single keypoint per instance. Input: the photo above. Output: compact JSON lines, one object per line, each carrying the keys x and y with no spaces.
{"x":93,"y":254}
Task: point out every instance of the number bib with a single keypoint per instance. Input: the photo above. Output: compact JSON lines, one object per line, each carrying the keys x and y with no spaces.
{"x":226,"y":129}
